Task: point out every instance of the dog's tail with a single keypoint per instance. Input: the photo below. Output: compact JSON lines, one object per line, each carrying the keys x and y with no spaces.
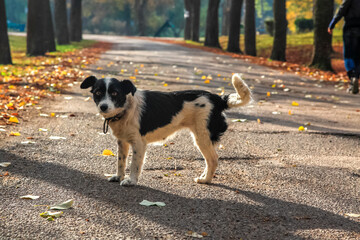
{"x":242,"y":95}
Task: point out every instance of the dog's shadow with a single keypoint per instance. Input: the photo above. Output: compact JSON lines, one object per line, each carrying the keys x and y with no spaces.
{"x":255,"y":217}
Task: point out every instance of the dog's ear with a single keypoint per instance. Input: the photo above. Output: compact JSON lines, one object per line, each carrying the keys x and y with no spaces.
{"x":128,"y":87}
{"x":88,"y":82}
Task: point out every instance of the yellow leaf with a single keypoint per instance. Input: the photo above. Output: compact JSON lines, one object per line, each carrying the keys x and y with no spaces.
{"x":273,"y":86}
{"x":258,"y":120}
{"x":108,"y":152}
{"x":290,"y":113}
{"x":295,"y":103}
{"x":13,"y":120}
{"x":22,"y":104}
{"x":207,"y":81}
{"x":52,"y":114}
{"x":142,"y":65}
{"x":177,"y":78}
{"x":155,"y":74}
{"x":219,"y":75}
{"x":132,"y":77}
{"x":268,"y":94}
{"x":165,"y":85}
{"x":301,"y":128}
{"x":15,"y":134}
{"x":203,"y":77}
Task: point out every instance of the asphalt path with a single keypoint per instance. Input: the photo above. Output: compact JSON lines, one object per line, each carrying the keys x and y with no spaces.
{"x":273,"y":181}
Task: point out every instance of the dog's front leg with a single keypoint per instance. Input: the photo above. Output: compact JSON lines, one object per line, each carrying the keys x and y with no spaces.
{"x":123,"y":150}
{"x":139,"y":148}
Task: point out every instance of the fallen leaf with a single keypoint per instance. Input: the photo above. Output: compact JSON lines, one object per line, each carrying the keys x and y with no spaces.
{"x":207,"y":81}
{"x":28,"y":142}
{"x":5,"y":164}
{"x":13,"y":120}
{"x":268,"y":94}
{"x":62,"y":206}
{"x":56,"y":138}
{"x":148,"y":203}
{"x":52,"y":114}
{"x":295,"y":103}
{"x":29,"y":197}
{"x":15,"y":134}
{"x":108,"y":152}
{"x":51,"y":214}
{"x":354,"y":215}
{"x":290,"y":113}
{"x":258,"y":120}
{"x":239,"y":120}
{"x":301,"y":128}
{"x":194,"y":234}
{"x":165,"y":85}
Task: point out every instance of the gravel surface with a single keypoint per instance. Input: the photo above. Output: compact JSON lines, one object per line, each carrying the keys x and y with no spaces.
{"x":273,"y":181}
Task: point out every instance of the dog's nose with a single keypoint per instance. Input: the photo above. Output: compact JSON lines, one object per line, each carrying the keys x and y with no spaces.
{"x":104,"y":107}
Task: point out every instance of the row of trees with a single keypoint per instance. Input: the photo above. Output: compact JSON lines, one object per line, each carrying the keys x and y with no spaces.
{"x":323,"y":12}
{"x":40,"y":28}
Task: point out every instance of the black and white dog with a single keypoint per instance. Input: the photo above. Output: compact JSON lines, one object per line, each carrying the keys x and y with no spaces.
{"x":139,"y":117}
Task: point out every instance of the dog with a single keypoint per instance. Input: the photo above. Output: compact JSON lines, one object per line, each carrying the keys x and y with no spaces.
{"x":139,"y":117}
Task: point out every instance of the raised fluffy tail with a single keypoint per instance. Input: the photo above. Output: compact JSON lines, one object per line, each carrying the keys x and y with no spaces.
{"x":242,"y":95}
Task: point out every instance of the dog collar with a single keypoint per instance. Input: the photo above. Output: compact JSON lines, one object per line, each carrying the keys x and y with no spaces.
{"x":111,"y":119}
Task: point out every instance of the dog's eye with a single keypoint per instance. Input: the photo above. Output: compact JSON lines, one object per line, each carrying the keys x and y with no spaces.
{"x":98,"y":93}
{"x":114,"y":94}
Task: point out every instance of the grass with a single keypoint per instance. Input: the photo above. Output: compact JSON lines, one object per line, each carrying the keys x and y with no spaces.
{"x":264,"y":42}
{"x":18,"y":44}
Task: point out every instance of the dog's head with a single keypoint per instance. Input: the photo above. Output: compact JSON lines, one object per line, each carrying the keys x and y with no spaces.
{"x":110,"y":94}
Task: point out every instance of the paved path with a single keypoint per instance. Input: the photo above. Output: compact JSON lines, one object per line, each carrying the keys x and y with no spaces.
{"x":273,"y":182}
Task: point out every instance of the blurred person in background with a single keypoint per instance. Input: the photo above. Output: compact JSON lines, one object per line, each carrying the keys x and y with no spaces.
{"x":350,"y":10}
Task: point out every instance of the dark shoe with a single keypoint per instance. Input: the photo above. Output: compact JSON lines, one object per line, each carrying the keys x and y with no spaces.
{"x":355,"y":85}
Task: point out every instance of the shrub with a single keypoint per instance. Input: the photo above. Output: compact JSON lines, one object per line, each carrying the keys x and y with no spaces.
{"x":269,"y":26}
{"x":304,"y":25}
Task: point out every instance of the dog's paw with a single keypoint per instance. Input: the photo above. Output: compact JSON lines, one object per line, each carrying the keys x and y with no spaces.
{"x":202,"y":180}
{"x":114,"y":179}
{"x":128,"y":182}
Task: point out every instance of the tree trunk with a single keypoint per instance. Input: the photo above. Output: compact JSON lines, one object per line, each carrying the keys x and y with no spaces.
{"x":195,"y":20}
{"x":225,"y":18}
{"x":128,"y":19}
{"x":280,"y":27}
{"x":49,"y":36}
{"x":187,"y":16}
{"x":140,"y":7}
{"x":5,"y":56}
{"x":212,"y":25}
{"x":323,"y":13}
{"x":75,"y":21}
{"x":35,"y":28}
{"x":250,"y":28}
{"x":61,"y":23}
{"x":234,"y":27}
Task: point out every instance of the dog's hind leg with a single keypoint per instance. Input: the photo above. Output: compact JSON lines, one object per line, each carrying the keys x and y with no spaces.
{"x":123,"y":150}
{"x":207,"y":149}
{"x":139,"y":148}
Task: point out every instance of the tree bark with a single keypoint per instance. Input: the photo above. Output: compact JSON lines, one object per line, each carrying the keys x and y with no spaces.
{"x":250,"y":28}
{"x":61,"y":23}
{"x":225,"y":18}
{"x":75,"y":21}
{"x":49,"y":36}
{"x":323,"y":13}
{"x":195,"y":20}
{"x":140,"y":7}
{"x":35,"y":28}
{"x":234,"y":27}
{"x":187,"y":16}
{"x":280,"y":27}
{"x":212,"y":25}
{"x":5,"y":56}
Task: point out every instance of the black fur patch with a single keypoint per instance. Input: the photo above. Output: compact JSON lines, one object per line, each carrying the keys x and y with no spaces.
{"x":217,"y":123}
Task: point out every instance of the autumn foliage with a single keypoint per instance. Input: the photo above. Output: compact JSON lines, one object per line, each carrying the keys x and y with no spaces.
{"x":33,"y":78}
